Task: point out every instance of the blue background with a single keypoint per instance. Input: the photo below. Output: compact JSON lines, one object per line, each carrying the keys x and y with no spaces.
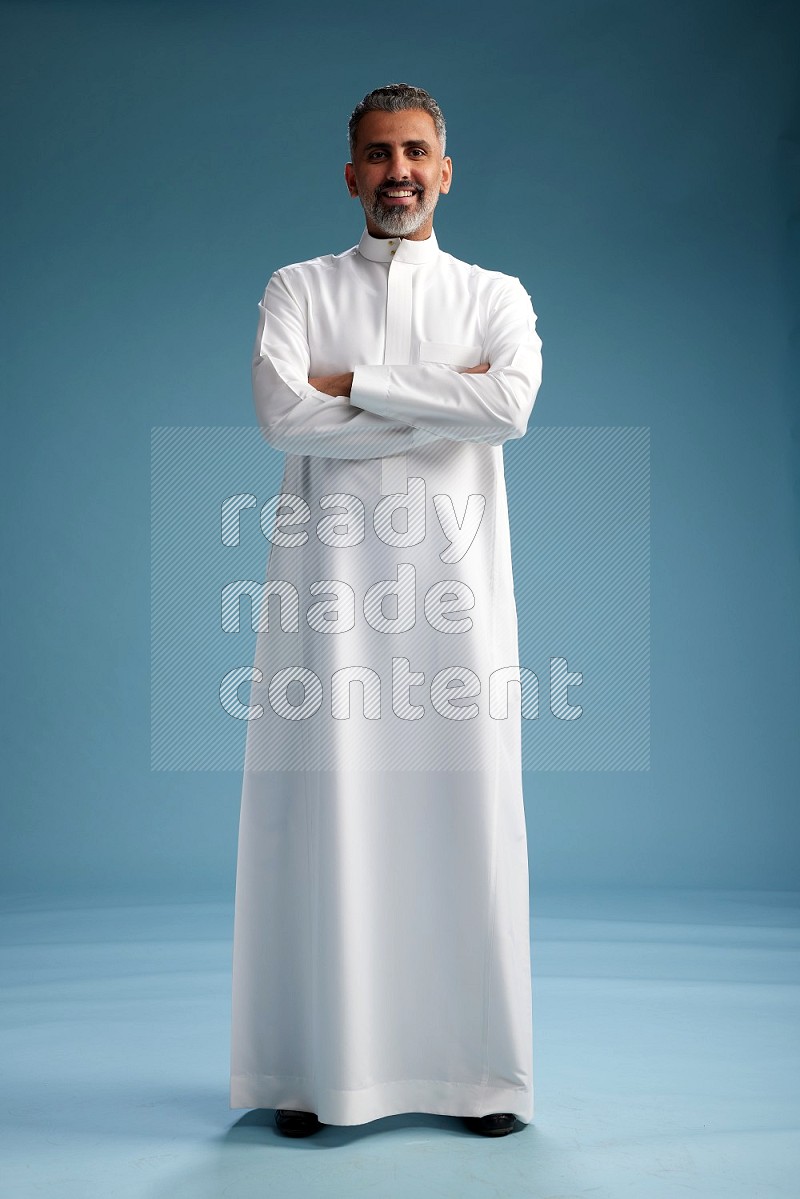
{"x":636,"y":165}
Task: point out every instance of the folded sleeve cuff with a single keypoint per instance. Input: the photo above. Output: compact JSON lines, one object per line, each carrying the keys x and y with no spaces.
{"x":370,"y":389}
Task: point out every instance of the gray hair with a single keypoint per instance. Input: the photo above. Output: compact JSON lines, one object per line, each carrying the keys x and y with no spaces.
{"x":395,"y":97}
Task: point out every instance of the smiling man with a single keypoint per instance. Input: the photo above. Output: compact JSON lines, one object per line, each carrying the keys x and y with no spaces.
{"x":381,"y":938}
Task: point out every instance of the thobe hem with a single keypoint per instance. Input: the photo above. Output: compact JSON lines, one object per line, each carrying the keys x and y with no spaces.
{"x":430,"y":1096}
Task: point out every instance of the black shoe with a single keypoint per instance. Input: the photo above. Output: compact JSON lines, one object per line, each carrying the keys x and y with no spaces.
{"x":296,"y":1124}
{"x":498,"y":1124}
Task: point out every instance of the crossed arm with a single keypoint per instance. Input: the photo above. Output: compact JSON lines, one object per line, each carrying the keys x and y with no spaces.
{"x":373,"y":411}
{"x":340,"y":385}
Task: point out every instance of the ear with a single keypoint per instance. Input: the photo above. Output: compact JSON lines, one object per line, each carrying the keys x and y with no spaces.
{"x":447,"y":176}
{"x":350,"y":179}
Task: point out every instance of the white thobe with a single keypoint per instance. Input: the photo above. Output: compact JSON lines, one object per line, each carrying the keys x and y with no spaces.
{"x":381,"y":959}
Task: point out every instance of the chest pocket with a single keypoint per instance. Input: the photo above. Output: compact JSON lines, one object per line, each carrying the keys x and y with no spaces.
{"x":451,"y":353}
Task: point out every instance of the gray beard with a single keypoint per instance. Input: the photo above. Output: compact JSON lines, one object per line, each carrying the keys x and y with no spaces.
{"x":398,"y":221}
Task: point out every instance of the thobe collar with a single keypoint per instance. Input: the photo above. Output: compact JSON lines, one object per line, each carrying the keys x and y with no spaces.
{"x":398,"y":249}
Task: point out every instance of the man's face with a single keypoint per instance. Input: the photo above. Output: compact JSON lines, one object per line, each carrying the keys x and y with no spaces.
{"x":398,"y":151}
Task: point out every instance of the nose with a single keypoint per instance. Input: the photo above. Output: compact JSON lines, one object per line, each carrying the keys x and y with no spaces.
{"x":398,"y":168}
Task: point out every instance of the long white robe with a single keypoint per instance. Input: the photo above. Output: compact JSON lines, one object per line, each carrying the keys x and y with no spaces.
{"x":381,"y":959}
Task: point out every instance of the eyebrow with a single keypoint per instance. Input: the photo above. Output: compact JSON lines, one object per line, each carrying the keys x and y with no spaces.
{"x":386,"y":145}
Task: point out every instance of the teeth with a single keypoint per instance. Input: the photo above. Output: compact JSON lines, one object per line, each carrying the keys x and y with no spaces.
{"x":405,"y":193}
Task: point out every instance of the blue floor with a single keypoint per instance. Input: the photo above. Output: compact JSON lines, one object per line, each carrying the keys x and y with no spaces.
{"x":665,"y":1061}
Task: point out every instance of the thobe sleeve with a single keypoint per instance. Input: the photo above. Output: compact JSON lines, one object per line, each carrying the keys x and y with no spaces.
{"x":490,"y":407}
{"x":293,"y":415}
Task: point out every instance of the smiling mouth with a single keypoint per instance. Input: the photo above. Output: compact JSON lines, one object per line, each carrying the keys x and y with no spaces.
{"x":398,"y":195}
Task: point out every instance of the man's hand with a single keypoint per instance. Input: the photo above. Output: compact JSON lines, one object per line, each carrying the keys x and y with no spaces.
{"x":480,"y":369}
{"x":333,"y":385}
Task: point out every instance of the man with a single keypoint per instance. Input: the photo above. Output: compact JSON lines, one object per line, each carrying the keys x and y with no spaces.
{"x":381,"y":937}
